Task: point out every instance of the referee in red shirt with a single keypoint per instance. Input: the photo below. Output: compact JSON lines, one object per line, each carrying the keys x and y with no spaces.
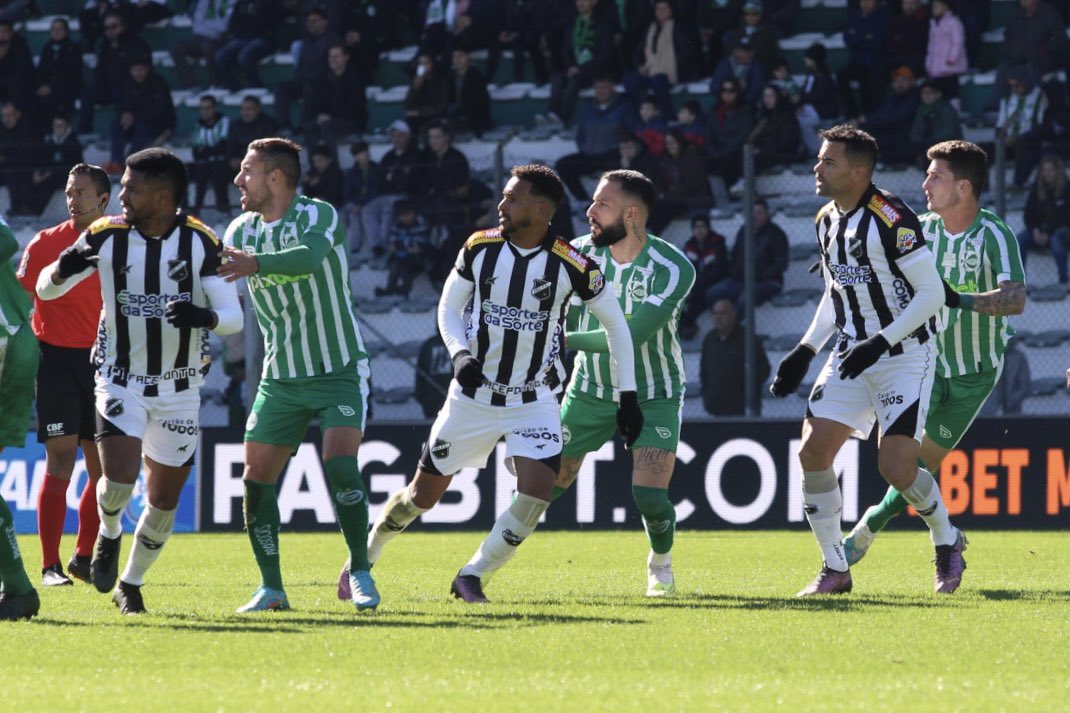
{"x":66,"y":329}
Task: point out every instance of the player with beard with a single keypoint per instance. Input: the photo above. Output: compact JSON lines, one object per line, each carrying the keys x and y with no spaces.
{"x":651,"y":278}
{"x":508,"y":370}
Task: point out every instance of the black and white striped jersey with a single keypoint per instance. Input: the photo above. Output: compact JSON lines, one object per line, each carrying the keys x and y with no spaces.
{"x":864,"y":251}
{"x":135,"y":346}
{"x":519,"y":302}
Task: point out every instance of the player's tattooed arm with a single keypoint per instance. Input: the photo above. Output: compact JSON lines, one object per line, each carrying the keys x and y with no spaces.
{"x":1007,"y":300}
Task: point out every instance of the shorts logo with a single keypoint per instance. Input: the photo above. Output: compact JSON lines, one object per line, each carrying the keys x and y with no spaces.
{"x":566,"y":434}
{"x":511,"y":538}
{"x":818,"y":392}
{"x":890,"y":398}
{"x":441,"y":448}
{"x":663,"y":432}
{"x":541,"y":288}
{"x":905,"y":240}
{"x":54,"y":429}
{"x":347,"y":411}
{"x":177,"y":270}
{"x":945,"y":432}
{"x":349,"y":497}
{"x":250,"y":423}
{"x":113,"y":407}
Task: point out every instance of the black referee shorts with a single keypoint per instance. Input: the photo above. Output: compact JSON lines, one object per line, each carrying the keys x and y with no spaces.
{"x":65,"y":393}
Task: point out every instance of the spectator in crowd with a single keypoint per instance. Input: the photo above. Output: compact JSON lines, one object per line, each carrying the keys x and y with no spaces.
{"x":311,"y":68}
{"x":908,"y":37}
{"x":781,"y":14}
{"x":400,"y":176}
{"x":18,"y":10}
{"x":632,"y":154}
{"x":336,"y":105}
{"x":446,"y":168}
{"x":324,"y":178}
{"x":250,"y":37}
{"x":867,"y":27}
{"x":434,"y":372}
{"x":59,"y":72}
{"x":367,"y":29}
{"x":521,"y":32}
{"x":115,"y":55}
{"x":469,"y":98}
{"x":763,"y":36}
{"x":146,"y":12}
{"x":1047,"y":215}
{"x":819,"y":98}
{"x":650,"y":126}
{"x":890,"y":122}
{"x":359,"y":186}
{"x":744,"y":68}
{"x":407,"y":251}
{"x":598,"y":130}
{"x":588,"y":52}
{"x":935,"y":120}
{"x":20,"y":149}
{"x":1014,"y":386}
{"x":945,"y":55}
{"x":722,"y":368}
{"x":471,"y":204}
{"x":680,"y":181}
{"x":781,"y":77}
{"x":629,"y":20}
{"x":665,"y":58}
{"x":428,"y":97}
{"x":714,"y":19}
{"x":708,"y":252}
{"x":689,"y":120}
{"x":727,"y":128}
{"x":16,"y":67}
{"x":450,"y":24}
{"x":208,"y":19}
{"x":1035,"y":36}
{"x":770,"y":262}
{"x":146,"y":113}
{"x":776,"y":136}
{"x":91,"y":20}
{"x":210,"y":156}
{"x":1020,"y":122}
{"x":252,"y":124}
{"x":61,"y":151}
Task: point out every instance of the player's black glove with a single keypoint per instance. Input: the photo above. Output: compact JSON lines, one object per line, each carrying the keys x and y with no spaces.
{"x":629,"y":417}
{"x":73,"y":261}
{"x":951,"y":298}
{"x":792,"y":369}
{"x":862,"y":355}
{"x":183,"y":314}
{"x":467,"y":370}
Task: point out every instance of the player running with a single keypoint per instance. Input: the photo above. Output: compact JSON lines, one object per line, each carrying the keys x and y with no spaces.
{"x":882,"y":294}
{"x":508,"y":370}
{"x":161,"y":295}
{"x":977,"y":255}
{"x":651,"y":279}
{"x":66,"y":329}
{"x":293,"y":253}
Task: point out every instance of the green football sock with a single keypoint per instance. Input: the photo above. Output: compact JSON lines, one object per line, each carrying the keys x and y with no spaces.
{"x":892,"y":505}
{"x":12,"y":573}
{"x":351,"y":507}
{"x":659,"y":516}
{"x":262,"y":523}
{"x":558,"y":492}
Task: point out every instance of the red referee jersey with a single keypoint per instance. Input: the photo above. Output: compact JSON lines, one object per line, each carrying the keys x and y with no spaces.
{"x":70,"y":321}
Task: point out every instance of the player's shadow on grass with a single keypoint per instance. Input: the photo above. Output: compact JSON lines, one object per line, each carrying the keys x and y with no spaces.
{"x":1027,"y":595}
{"x":844,"y":603}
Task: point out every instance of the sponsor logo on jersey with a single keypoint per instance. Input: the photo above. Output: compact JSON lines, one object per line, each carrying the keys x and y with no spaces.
{"x":884,"y":210}
{"x":845,"y":275}
{"x":441,"y":448}
{"x":537,"y":433}
{"x":348,"y":497}
{"x":541,"y":288}
{"x":347,"y":411}
{"x":905,"y":240}
{"x":596,"y":281}
{"x":949,"y":261}
{"x":137,"y":304}
{"x":494,"y":235}
{"x":570,"y":254}
{"x":113,"y":407}
{"x":177,"y":269}
{"x":517,"y":319}
{"x":107,"y":222}
{"x":890,"y":398}
{"x":902,"y":294}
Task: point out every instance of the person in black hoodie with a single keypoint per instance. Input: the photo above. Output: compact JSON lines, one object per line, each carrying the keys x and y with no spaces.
{"x":324,"y":177}
{"x":116,"y":51}
{"x":336,"y":104}
{"x":250,"y":37}
{"x":61,"y":151}
{"x":252,"y":124}
{"x":819,"y":98}
{"x":146,"y":112}
{"x":469,"y":100}
{"x":20,"y":150}
{"x":16,"y":66}
{"x":311,"y":65}
{"x":775,"y":137}
{"x":59,"y":71}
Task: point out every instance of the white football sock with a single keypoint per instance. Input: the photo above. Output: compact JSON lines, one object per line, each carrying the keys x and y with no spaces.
{"x":510,"y":529}
{"x":926,"y":498}
{"x":398,"y":513}
{"x":112,"y":498}
{"x":153,"y":529}
{"x":824,"y":507}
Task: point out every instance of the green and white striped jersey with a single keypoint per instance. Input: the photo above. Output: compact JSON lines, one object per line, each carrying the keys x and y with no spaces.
{"x":976,"y":260}
{"x":308,"y":321}
{"x":661,"y":275}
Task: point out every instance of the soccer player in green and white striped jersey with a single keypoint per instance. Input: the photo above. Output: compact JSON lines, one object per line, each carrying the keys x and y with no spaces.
{"x":290,"y":249}
{"x":984,"y":281}
{"x":651,"y":278}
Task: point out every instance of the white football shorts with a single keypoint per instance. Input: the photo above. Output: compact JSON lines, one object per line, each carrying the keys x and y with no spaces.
{"x":168,"y":426}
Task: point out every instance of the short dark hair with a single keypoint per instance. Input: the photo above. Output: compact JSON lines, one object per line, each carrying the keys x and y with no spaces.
{"x":966,"y":160}
{"x":63,"y":20}
{"x":545,"y":183}
{"x":443,"y":126}
{"x":358,"y":147}
{"x":322,"y":150}
{"x":209,"y":98}
{"x":859,"y":146}
{"x":251,"y":98}
{"x":96,"y":174}
{"x":635,"y":185}
{"x":281,"y":154}
{"x":692,"y":106}
{"x":162,"y":165}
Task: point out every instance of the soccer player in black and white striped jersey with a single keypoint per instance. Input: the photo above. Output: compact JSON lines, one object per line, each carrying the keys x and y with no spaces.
{"x":882,"y":291}
{"x":161,"y":295}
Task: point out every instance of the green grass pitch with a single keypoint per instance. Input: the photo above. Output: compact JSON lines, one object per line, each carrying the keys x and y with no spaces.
{"x":567,"y":630}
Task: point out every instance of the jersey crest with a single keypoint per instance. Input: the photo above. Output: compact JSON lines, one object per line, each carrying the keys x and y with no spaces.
{"x":884,"y":210}
{"x":569,"y":254}
{"x":494,"y":235}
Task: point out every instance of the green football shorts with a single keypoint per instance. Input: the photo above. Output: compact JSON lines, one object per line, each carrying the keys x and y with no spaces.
{"x":18,"y":366}
{"x":588,"y":422}
{"x":955,"y":403}
{"x":284,"y":408}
